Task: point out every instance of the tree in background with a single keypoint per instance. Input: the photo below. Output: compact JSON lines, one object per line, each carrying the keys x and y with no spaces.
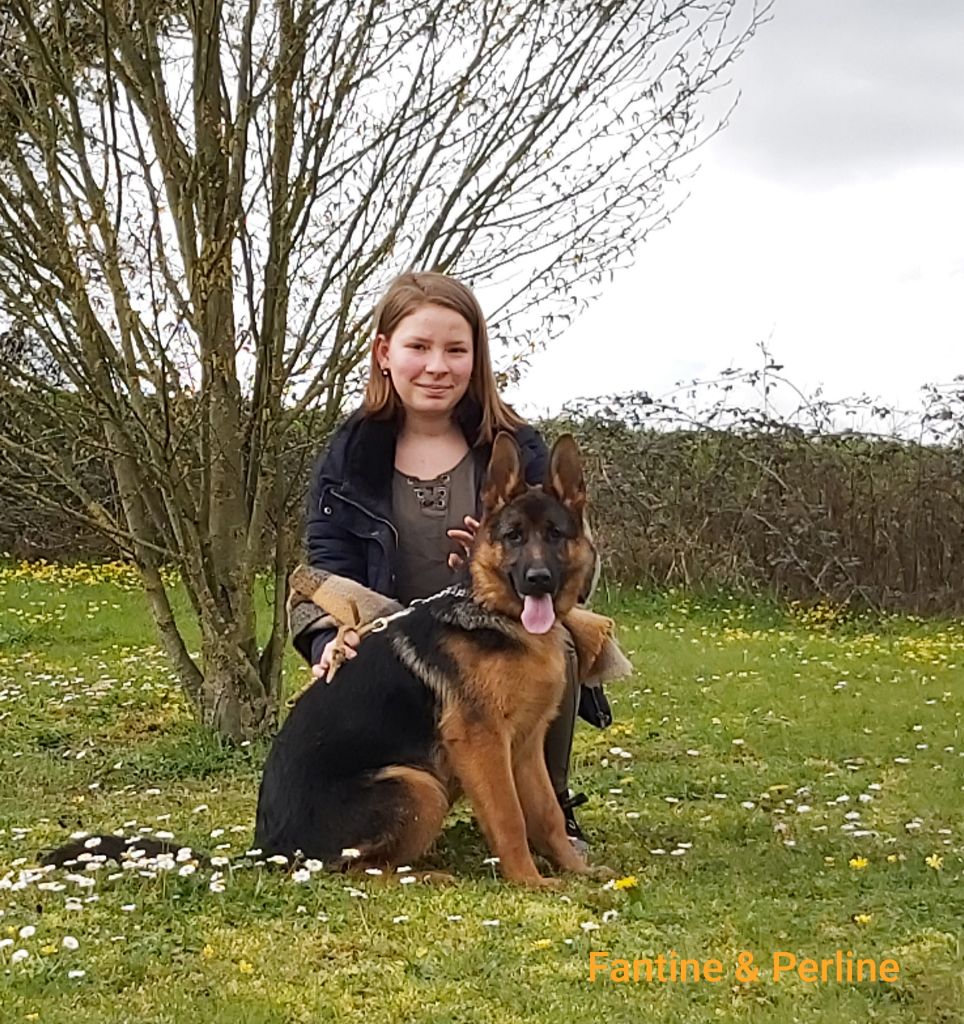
{"x":200,"y":203}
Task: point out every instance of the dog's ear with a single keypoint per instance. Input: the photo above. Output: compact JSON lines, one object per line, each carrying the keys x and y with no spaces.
{"x":564,"y":478}
{"x":503,"y":480}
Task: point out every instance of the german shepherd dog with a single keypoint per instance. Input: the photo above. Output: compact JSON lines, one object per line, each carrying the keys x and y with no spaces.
{"x":454,"y":695}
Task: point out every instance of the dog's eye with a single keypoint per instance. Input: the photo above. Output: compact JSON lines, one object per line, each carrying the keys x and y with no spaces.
{"x":553,"y":533}
{"x":512,"y":536}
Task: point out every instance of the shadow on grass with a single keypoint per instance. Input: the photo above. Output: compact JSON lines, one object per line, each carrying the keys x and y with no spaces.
{"x":193,"y":752}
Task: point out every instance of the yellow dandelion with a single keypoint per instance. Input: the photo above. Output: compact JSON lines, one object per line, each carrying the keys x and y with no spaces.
{"x":863,"y":919}
{"x":32,"y":1016}
{"x":858,"y":863}
{"x":629,"y":882}
{"x":542,"y":944}
{"x":48,"y":949}
{"x":207,"y":952}
{"x":245,"y":968}
{"x":892,"y":858}
{"x":935,"y":861}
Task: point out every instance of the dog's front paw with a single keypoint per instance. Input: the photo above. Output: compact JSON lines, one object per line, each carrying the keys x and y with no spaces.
{"x":540,"y":882}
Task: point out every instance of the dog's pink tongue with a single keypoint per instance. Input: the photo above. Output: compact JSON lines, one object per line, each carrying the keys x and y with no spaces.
{"x":538,"y":615}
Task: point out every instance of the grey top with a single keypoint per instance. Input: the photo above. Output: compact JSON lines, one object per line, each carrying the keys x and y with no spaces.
{"x":423,"y":511}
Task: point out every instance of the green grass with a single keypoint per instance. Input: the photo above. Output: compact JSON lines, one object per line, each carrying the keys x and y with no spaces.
{"x":740,"y":717}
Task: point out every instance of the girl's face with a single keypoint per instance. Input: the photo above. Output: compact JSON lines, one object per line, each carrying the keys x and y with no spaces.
{"x":429,"y":357}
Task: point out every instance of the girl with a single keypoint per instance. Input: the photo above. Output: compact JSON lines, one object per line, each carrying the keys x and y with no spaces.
{"x":399,"y":486}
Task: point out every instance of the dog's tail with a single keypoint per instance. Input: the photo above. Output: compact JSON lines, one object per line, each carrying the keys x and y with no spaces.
{"x":118,"y":848}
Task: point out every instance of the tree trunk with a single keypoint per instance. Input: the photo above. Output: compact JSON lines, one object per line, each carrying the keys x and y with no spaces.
{"x":234,"y":702}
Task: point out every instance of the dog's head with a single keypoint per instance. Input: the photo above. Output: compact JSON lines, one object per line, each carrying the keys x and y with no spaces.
{"x":532,"y":559}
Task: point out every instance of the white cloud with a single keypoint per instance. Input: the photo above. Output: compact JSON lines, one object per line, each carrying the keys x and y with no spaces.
{"x":857,"y":282}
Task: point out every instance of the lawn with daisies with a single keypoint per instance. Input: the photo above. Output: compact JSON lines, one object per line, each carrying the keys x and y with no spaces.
{"x":777,"y":781}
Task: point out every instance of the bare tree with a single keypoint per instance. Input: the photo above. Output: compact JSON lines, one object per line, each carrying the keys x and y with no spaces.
{"x":200,"y":202}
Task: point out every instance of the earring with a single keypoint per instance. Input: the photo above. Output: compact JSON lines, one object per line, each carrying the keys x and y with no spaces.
{"x":384,"y":372}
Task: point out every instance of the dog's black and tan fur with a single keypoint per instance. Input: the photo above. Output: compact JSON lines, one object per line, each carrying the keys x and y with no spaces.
{"x":454,"y":695}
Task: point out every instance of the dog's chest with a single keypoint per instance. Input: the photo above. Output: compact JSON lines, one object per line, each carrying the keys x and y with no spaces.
{"x":527,"y":686}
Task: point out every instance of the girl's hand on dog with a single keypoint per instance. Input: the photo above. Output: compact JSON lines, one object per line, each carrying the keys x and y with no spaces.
{"x":351,"y":641}
{"x":465,"y":538}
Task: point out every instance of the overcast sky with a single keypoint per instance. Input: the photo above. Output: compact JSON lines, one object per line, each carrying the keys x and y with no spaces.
{"x":827,"y":220}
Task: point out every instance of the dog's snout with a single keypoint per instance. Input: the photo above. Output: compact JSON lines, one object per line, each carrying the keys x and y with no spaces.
{"x":539,"y":580}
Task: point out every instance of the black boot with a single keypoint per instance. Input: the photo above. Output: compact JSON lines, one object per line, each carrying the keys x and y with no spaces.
{"x":594,"y":707}
{"x":568,"y":801}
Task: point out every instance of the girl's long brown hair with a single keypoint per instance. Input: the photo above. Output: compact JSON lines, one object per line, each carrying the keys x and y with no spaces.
{"x":405,"y":295}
